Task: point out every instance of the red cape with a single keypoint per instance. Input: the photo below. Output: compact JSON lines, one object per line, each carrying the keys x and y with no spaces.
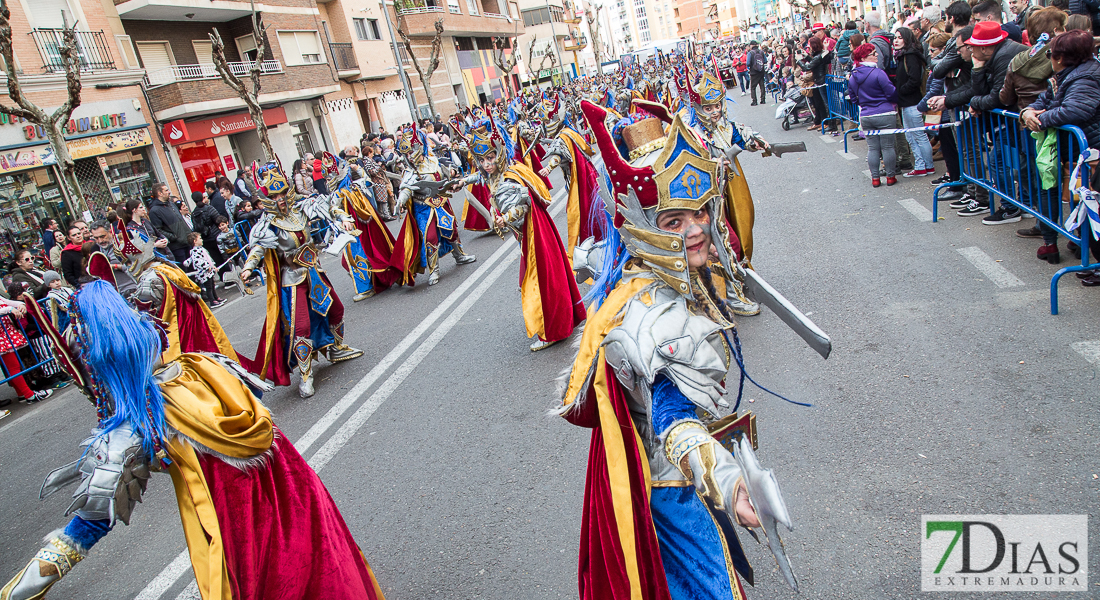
{"x":376,"y":239}
{"x":479,"y":192}
{"x":562,"y":307}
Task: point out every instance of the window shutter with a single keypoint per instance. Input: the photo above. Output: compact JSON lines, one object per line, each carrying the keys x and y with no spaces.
{"x":157,"y":62}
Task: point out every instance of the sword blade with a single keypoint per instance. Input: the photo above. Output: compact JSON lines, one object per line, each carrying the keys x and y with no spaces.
{"x":762,"y":292}
{"x":780,"y":149}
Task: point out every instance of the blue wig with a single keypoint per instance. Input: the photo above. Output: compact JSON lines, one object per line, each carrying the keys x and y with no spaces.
{"x":615,"y":253}
{"x":509,"y":145}
{"x":119,"y":349}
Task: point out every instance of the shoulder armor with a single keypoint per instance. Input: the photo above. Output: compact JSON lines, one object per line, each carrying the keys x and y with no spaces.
{"x":664,"y":337}
{"x":510,"y":194}
{"x":561,"y":150}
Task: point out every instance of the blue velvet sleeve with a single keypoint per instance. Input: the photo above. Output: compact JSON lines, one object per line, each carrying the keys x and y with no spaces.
{"x":737,"y":139}
{"x":87,"y":533}
{"x":669,"y":404}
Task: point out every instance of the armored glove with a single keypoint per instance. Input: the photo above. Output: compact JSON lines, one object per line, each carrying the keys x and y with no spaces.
{"x":113,"y":473}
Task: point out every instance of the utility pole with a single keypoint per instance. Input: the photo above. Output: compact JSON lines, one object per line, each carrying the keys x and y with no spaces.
{"x":557,"y":49}
{"x":415,"y":114}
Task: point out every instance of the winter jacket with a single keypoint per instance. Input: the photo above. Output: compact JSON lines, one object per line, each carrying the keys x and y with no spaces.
{"x":947,"y":64}
{"x":883,"y":42}
{"x":72,"y":264}
{"x":844,"y":46}
{"x":1090,"y":8}
{"x":871,"y":89}
{"x":1076,"y":101}
{"x":166,"y":217}
{"x":986,"y":82}
{"x":218,"y":201}
{"x":818,"y":64}
{"x":1026,"y":79}
{"x":205,"y":218}
{"x":910,"y":77}
{"x":935,"y":88}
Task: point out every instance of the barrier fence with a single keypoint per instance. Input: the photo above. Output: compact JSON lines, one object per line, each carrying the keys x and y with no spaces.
{"x":998,"y":155}
{"x":29,"y":350}
{"x":840,"y":108}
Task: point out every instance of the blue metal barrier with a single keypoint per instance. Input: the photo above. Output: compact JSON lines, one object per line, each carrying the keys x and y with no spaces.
{"x":998,"y":154}
{"x":840,"y":107}
{"x":38,"y":358}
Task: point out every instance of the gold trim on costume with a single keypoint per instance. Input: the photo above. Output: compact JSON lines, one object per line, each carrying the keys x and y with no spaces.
{"x":671,"y":483}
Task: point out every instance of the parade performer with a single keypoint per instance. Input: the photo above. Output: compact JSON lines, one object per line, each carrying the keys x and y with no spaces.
{"x":304,"y":314}
{"x":570,"y":151}
{"x":429,"y":228}
{"x":551,"y":302}
{"x":472,"y":219}
{"x":663,"y":495}
{"x":367,"y":258}
{"x":258,"y":522}
{"x":527,"y":136}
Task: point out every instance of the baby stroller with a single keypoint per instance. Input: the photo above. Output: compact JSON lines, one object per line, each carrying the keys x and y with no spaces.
{"x":795,"y":106}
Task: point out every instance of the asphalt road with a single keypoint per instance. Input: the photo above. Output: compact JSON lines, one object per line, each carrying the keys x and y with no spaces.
{"x":946,"y":394}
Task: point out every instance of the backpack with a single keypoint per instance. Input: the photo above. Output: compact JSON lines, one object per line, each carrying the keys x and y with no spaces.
{"x":890,"y":65}
{"x":757,"y":64}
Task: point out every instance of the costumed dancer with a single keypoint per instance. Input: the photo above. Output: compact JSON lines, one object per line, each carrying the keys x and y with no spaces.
{"x":664,"y":496}
{"x":366,"y":258}
{"x":429,"y":228}
{"x":706,"y":115}
{"x":304,"y":314}
{"x":527,"y":135}
{"x":258,"y":521}
{"x":472,"y":218}
{"x":552,"y":305}
{"x":570,"y":151}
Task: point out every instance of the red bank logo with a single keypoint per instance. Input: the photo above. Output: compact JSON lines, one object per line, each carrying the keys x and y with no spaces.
{"x":176,"y":132}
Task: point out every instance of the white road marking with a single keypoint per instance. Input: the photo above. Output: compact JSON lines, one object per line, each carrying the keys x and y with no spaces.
{"x":181,"y":564}
{"x":916,"y":209}
{"x":848,"y":155}
{"x":1090,"y":350}
{"x":867,"y":172}
{"x":990,"y":268}
{"x":191,"y":592}
{"x":828,"y":139}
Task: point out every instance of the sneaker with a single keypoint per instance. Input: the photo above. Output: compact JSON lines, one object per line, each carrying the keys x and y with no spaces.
{"x":217,"y":303}
{"x":1030,"y":232}
{"x":918,"y":173}
{"x":753,"y":104}
{"x":973,"y":209}
{"x":962,"y":202}
{"x":743,"y":94}
{"x":941,"y":180}
{"x":951,"y":194}
{"x":1004,"y":215}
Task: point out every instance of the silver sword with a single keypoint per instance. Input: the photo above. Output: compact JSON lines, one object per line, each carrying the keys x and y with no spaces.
{"x":761,"y":291}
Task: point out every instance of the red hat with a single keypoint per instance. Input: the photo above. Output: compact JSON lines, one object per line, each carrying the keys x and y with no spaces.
{"x":818,"y":26}
{"x":986,"y":33}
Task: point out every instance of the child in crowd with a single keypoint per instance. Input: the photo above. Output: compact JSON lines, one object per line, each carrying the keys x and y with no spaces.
{"x":227,"y":241}
{"x":203,"y":270}
{"x":54,"y":297}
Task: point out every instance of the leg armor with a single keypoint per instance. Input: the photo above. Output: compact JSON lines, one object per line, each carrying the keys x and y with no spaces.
{"x":433,"y":265}
{"x":303,"y":351}
{"x":339,"y":351}
{"x":48,"y":566}
{"x":461,"y":257}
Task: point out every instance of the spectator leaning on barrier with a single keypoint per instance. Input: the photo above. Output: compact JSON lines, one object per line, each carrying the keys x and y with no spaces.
{"x":1073,"y":100}
{"x":1027,"y":77}
{"x":818,"y":64}
{"x":910,"y":77}
{"x":991,"y":54}
{"x":870,"y":88}
{"x":945,"y":137}
{"x":990,"y":10}
{"x":953,"y":68}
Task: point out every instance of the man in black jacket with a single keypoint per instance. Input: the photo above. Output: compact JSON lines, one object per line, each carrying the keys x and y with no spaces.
{"x":166,"y":217}
{"x":757,"y":62}
{"x":991,"y":53}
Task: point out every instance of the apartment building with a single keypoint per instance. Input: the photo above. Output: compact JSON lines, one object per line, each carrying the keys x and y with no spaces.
{"x":467,"y":73}
{"x":552,"y":27}
{"x":690,"y":18}
{"x":111,"y":136}
{"x":643,"y":23}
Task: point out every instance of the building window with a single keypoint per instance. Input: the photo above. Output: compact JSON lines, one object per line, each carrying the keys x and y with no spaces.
{"x":484,"y":43}
{"x":464,"y":44}
{"x":452,"y":7}
{"x":639,"y":12}
{"x":301,"y":47}
{"x":302,"y":141}
{"x":404,"y":54}
{"x":471,"y":7}
{"x":367,"y":29}
{"x":645,"y":37}
{"x":246,"y":45}
{"x":538,"y":16}
{"x":643,"y":25}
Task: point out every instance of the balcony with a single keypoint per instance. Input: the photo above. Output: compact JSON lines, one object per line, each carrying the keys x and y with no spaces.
{"x":207,"y":11}
{"x":93,"y":50}
{"x":418,"y":17}
{"x":575,"y":43}
{"x":186,"y":91}
{"x":208,"y":71}
{"x":343,"y":56}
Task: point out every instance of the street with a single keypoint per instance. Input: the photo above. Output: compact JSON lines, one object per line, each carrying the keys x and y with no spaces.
{"x":951,"y":390}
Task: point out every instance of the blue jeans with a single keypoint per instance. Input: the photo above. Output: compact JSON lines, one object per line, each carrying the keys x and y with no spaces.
{"x":743,"y":79}
{"x":918,"y":140}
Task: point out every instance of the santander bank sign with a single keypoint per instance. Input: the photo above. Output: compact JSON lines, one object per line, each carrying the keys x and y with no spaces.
{"x":181,"y":132}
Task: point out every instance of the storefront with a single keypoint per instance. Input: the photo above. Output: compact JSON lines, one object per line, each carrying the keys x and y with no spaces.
{"x":110,"y":143}
{"x":211,"y":147}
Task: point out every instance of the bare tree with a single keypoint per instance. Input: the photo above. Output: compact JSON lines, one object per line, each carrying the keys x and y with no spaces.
{"x":504,"y":64}
{"x":425,"y":74}
{"x":251,"y":97}
{"x":593,"y":18}
{"x":53,"y":122}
